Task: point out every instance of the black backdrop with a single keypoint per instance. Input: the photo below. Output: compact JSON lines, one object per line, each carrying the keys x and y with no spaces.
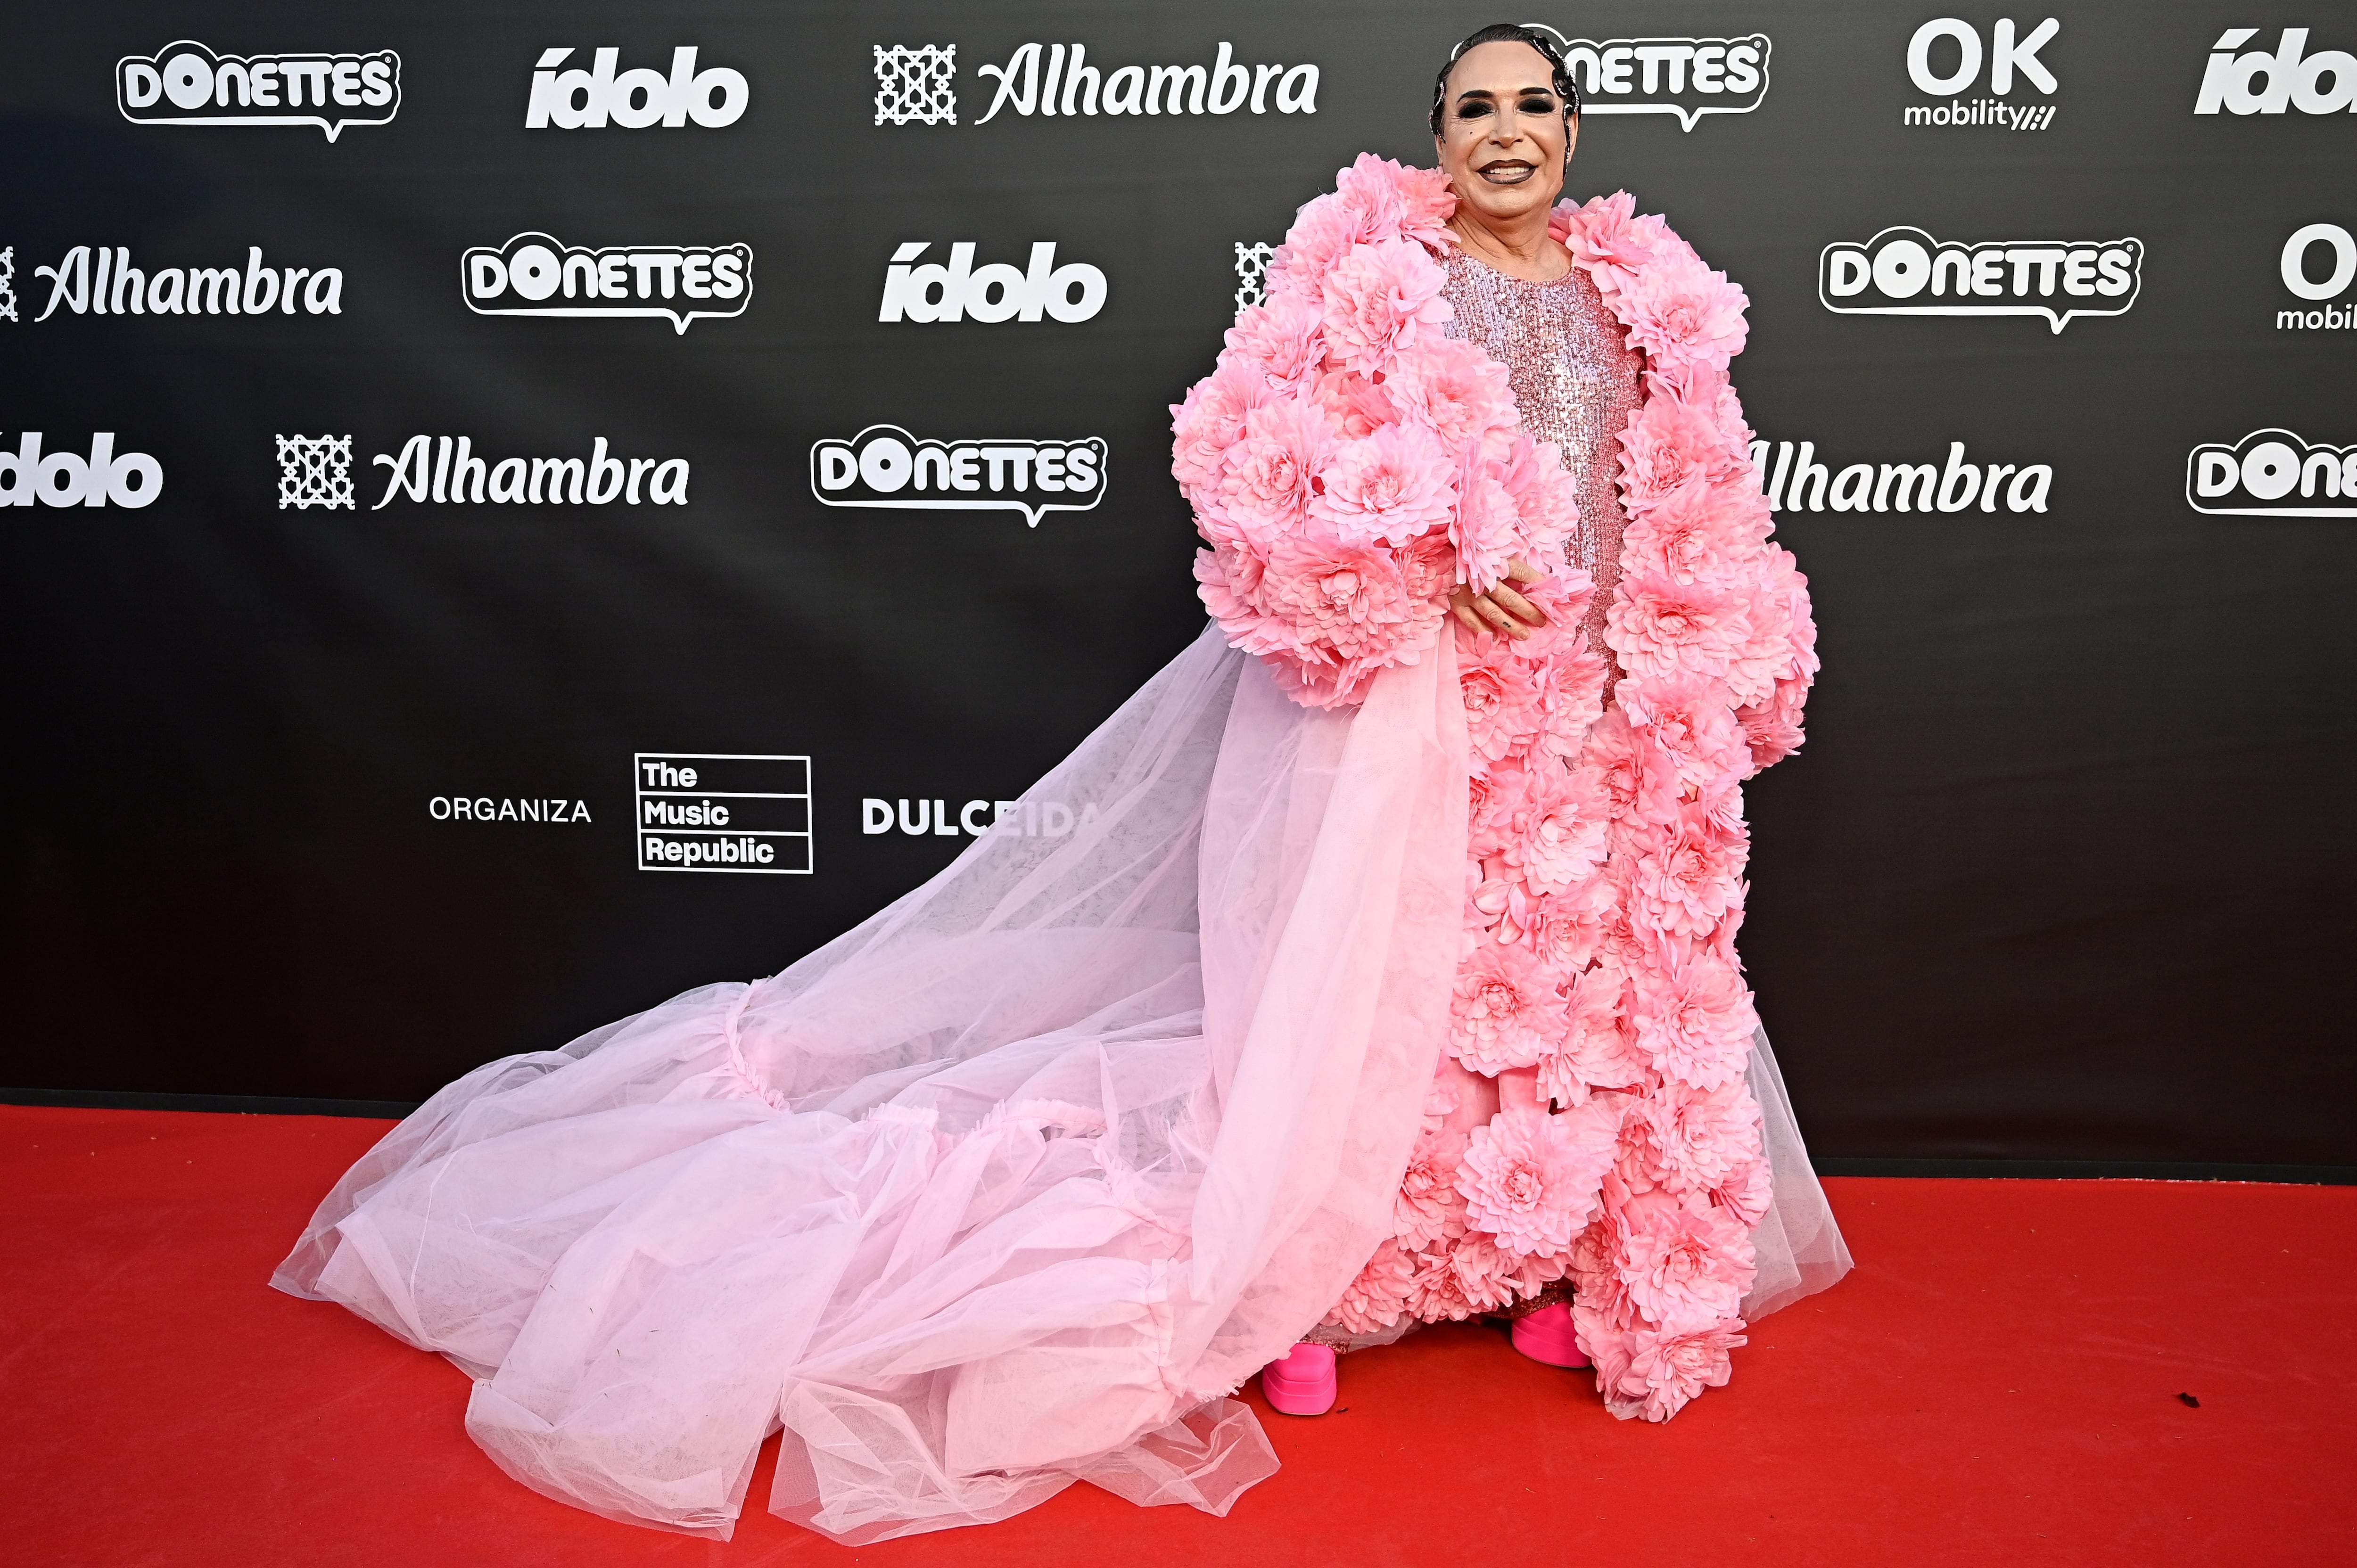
{"x":2060,"y":874}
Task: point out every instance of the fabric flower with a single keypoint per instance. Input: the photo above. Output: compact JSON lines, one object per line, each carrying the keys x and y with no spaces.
{"x":1347,"y":600}
{"x":1685,"y":879}
{"x":1687,"y":719}
{"x":1502,"y":711}
{"x":1572,"y":696}
{"x":1389,"y":487}
{"x":1566,"y":926}
{"x":1595,"y":1051}
{"x":1554,"y":833}
{"x":1264,"y":485}
{"x":1382,"y":295}
{"x":1678,"y":311}
{"x":1694,"y":1021}
{"x":1654,"y":1374}
{"x":1506,"y":1010}
{"x":1357,"y":406}
{"x":1374,"y":1301}
{"x":1211,"y":421}
{"x":1454,"y":390}
{"x":1698,"y":533}
{"x":1670,"y":445}
{"x":1659,"y":627}
{"x":1531,"y":1181}
{"x":1746,"y":1192}
{"x":1606,"y":237}
{"x":1279,"y":338}
{"x":1683,"y":1267}
{"x":1429,"y":1209}
{"x":1491,"y":1278}
{"x":1436,"y":1295}
{"x":1694,"y":1140}
{"x":1546,"y":498}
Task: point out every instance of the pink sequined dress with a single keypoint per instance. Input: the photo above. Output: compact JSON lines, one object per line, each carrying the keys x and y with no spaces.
{"x":1575,"y":381}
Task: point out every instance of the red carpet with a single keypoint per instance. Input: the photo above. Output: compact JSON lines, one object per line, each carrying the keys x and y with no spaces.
{"x":1997,"y":1383}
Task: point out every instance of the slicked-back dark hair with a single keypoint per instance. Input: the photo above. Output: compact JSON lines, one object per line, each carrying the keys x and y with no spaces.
{"x":1508,"y":32}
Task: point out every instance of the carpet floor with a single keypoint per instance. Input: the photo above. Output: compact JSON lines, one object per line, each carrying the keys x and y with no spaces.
{"x":2010,"y":1377}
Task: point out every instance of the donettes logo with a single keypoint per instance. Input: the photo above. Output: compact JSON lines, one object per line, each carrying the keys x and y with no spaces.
{"x":1690,"y":78}
{"x":1902,"y":271}
{"x":2272,"y":473}
{"x":186,"y":84}
{"x":887,"y":467}
{"x":537,"y":275}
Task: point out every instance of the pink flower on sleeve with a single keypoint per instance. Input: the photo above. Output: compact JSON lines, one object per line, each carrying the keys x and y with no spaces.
{"x":1687,"y":719}
{"x":1680,"y":311}
{"x":1278,"y":337}
{"x":1266,"y":488}
{"x":1454,"y":390}
{"x":1686,"y":878}
{"x":1387,"y":488}
{"x":1531,"y":1181}
{"x":1698,"y":533}
{"x":1671,"y":444}
{"x":1381,"y":296}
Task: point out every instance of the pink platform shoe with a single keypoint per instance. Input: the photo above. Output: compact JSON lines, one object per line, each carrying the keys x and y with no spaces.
{"x":1303,"y":1383}
{"x":1545,"y":1335}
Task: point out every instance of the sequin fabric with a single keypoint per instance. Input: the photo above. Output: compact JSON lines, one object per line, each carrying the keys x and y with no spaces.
{"x":1575,"y":381}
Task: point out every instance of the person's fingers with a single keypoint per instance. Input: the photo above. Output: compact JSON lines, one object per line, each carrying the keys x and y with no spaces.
{"x":1521,"y":571}
{"x":1499,"y":619}
{"x":1461,"y":604}
{"x":1514,"y":603}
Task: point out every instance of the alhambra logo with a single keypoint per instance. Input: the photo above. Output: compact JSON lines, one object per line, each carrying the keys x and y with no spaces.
{"x":536,"y":275}
{"x":316,"y":471}
{"x":885,"y":467}
{"x":1690,"y":78}
{"x":1903,"y":270}
{"x":915,"y":85}
{"x":186,"y":84}
{"x":102,"y":281}
{"x":2272,"y":473}
{"x":1794,"y":479}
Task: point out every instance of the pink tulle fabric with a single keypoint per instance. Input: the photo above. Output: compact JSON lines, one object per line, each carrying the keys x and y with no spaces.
{"x":1623,"y":1149}
{"x":1009,"y":1186}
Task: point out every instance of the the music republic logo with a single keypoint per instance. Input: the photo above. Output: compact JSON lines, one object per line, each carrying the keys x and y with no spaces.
{"x":1903,"y":270}
{"x":997,"y":292}
{"x":1686,"y":77}
{"x":187,"y":84}
{"x":591,"y":100}
{"x":2272,"y":473}
{"x":534,"y":274}
{"x":885,"y":467}
{"x":2263,"y":82}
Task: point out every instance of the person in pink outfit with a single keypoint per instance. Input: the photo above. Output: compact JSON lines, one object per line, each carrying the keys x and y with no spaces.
{"x":1391,"y":981}
{"x":1592,"y":1164}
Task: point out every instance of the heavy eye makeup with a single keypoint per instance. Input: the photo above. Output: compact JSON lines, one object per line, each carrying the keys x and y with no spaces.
{"x":1533,"y":102}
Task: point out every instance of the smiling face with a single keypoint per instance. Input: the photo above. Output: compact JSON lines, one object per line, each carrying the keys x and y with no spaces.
{"x":1503,"y":138}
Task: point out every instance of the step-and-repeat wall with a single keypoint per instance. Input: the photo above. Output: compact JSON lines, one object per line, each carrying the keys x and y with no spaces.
{"x":507,"y":512}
